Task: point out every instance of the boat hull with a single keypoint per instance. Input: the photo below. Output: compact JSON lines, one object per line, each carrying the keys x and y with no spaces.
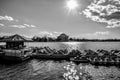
{"x":105,"y":63}
{"x":12,"y":59}
{"x":55,"y":57}
{"x":79,"y":61}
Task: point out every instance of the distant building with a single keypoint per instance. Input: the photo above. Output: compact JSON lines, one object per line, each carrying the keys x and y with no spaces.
{"x":63,"y":37}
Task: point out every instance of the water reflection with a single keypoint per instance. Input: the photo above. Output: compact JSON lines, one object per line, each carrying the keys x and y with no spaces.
{"x":55,"y":70}
{"x":76,"y":45}
{"x":73,"y":45}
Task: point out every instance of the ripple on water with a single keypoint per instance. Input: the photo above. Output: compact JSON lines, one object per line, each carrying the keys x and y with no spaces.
{"x":41,"y":69}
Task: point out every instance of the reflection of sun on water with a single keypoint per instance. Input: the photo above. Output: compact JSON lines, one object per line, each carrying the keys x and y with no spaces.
{"x":72,"y":45}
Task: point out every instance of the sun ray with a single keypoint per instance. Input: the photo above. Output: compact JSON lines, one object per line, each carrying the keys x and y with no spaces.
{"x":72,"y":5}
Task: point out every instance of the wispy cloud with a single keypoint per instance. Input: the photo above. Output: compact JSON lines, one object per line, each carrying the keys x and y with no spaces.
{"x":27,"y":25}
{"x":95,"y":35}
{"x":5,"y":34}
{"x":18,"y":26}
{"x":7,"y":18}
{"x":45,"y":33}
{"x":33,"y":26}
{"x":15,"y":22}
{"x":104,"y":11}
{"x":23,"y":26}
{"x":2,"y":24}
{"x":49,"y":34}
{"x":102,"y":33}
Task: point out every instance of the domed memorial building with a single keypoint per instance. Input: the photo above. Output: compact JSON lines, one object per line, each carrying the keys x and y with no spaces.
{"x":63,"y":37}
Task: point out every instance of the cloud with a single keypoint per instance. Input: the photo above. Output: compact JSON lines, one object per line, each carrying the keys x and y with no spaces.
{"x":27,"y":25}
{"x":2,"y":24}
{"x":7,"y":18}
{"x":18,"y":26}
{"x":23,"y":26}
{"x":14,"y":22}
{"x":101,"y":33}
{"x":45,"y":33}
{"x":95,"y":35}
{"x":5,"y":34}
{"x":104,"y":11}
{"x":57,"y":33}
{"x":33,"y":26}
{"x":49,"y":34}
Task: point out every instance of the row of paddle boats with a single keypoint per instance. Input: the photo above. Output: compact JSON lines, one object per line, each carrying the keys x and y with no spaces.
{"x":99,"y":56}
{"x":48,"y":53}
{"x":90,"y":56}
{"x":101,"y":61}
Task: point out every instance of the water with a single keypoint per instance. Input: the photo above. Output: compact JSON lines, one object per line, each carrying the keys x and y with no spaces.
{"x":74,"y":45}
{"x":77,"y":45}
{"x":54,"y":70}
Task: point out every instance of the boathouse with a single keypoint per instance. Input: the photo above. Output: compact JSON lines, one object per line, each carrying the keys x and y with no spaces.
{"x":15,"y":42}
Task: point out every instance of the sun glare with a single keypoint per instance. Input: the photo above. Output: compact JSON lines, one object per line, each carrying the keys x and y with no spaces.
{"x":72,"y":4}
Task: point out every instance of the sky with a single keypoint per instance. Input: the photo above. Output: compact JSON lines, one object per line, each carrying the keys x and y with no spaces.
{"x":91,"y":19}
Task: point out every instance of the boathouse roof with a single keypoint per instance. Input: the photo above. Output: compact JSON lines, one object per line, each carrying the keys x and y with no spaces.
{"x":16,"y":37}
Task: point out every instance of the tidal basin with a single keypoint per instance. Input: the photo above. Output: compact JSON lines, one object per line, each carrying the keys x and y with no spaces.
{"x":37,"y":69}
{"x":54,"y":70}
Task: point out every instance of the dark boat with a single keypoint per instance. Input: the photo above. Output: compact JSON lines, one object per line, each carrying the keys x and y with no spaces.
{"x":13,"y":59}
{"x":105,"y":62}
{"x":79,"y":60}
{"x":51,"y":56}
{"x":47,"y":53}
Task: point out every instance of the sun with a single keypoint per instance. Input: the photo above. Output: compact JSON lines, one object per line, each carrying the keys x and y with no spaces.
{"x":72,"y":5}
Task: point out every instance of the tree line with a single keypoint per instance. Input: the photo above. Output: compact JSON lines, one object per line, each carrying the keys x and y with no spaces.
{"x":62,"y":38}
